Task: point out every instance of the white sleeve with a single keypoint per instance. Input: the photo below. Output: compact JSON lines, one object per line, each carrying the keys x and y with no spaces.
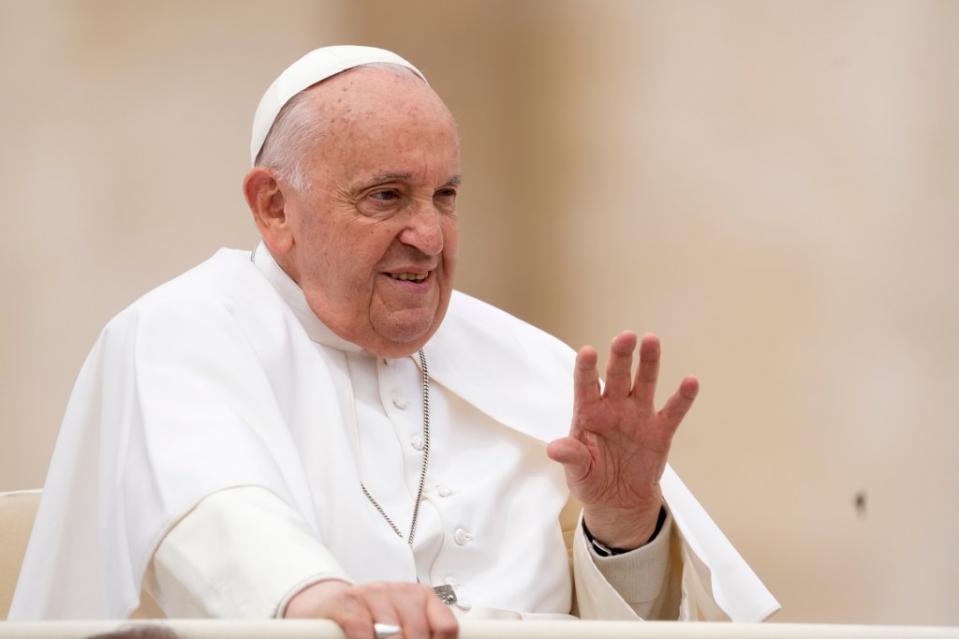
{"x":627,"y":586}
{"x":241,"y":553}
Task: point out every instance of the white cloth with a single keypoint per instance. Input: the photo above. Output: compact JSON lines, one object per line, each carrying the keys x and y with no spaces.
{"x":239,"y":554}
{"x":479,"y":475}
{"x":468,"y":450}
{"x":210,"y":382}
{"x":211,"y":564}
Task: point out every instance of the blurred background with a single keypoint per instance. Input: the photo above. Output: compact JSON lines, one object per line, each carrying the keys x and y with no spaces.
{"x":772,"y":187}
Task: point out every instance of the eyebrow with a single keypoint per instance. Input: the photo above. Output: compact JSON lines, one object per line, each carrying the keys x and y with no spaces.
{"x":455,"y":180}
{"x":389,"y":177}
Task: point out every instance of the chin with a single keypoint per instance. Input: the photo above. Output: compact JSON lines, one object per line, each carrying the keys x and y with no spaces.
{"x":405,"y":335}
{"x":410,"y":340}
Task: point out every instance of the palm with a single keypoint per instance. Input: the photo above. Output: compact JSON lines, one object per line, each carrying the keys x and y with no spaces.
{"x":619,"y":443}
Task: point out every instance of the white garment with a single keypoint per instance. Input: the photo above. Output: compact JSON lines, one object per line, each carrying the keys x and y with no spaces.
{"x":212,"y":565}
{"x":474,"y":461}
{"x":142,"y":443}
{"x":238,"y":555}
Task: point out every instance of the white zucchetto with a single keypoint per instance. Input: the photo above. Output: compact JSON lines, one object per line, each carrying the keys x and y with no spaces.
{"x":315,"y":66}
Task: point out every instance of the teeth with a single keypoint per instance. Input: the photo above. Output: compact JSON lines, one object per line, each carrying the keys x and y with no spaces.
{"x":409,"y":277}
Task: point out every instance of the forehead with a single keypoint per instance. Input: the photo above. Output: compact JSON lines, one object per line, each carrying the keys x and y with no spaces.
{"x":362,"y":89}
{"x":384,"y":120}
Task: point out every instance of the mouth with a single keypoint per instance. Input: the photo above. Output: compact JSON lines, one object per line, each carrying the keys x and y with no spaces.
{"x":414,"y":281}
{"x":410,"y":277}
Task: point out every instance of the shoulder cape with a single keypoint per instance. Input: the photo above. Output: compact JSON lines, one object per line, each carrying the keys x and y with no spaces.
{"x":194,"y":388}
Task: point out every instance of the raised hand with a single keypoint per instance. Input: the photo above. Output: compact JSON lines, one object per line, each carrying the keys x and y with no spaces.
{"x":618,"y":443}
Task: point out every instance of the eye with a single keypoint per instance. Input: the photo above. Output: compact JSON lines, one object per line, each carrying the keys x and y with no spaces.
{"x":381,"y":201}
{"x":385,"y":196}
{"x":448,"y":192}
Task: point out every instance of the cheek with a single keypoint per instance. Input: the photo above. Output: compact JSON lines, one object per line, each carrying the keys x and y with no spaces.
{"x":342,"y":255}
{"x":451,"y":242}
{"x":362,"y":256}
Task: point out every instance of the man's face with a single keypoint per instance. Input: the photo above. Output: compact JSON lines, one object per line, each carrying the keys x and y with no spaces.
{"x":375,"y":234}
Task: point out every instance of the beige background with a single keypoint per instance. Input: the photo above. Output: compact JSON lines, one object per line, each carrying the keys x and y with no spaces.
{"x":770,"y":186}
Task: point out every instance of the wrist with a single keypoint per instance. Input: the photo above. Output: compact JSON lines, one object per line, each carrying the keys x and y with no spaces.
{"x":620,"y":530}
{"x":309,"y":600}
{"x":611,"y":551}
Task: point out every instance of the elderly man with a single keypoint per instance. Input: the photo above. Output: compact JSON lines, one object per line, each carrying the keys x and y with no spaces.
{"x":324,"y":428}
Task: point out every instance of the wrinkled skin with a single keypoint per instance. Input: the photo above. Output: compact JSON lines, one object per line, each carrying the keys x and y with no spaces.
{"x":381,"y":205}
{"x":618,"y":443}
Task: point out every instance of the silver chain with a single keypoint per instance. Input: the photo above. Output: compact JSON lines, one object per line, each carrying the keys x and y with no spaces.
{"x":426,"y":460}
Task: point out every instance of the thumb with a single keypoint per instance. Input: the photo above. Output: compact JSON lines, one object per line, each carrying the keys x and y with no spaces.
{"x":572,"y":454}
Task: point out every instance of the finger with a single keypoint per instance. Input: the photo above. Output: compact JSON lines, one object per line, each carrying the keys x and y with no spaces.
{"x":442,"y":621}
{"x":678,"y":405}
{"x":649,"y":351}
{"x":619,"y":368}
{"x":572,"y":454}
{"x":585,"y":378}
{"x":410,"y":602}
{"x":354,"y":617}
{"x":377,"y":598}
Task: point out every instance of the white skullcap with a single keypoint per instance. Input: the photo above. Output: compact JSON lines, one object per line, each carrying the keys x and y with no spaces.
{"x":315,"y":66}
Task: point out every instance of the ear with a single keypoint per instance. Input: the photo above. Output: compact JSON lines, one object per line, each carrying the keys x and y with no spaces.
{"x":268,"y":205}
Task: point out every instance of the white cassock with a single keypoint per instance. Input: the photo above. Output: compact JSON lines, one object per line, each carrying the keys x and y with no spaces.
{"x":217,"y":416}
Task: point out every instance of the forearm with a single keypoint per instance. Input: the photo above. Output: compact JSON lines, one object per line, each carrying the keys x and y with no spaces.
{"x":241,"y":552}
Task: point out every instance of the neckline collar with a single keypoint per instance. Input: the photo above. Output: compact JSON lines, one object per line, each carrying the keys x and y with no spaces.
{"x":294,"y":297}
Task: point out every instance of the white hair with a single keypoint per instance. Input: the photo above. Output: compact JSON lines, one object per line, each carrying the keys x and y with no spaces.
{"x":296,"y":131}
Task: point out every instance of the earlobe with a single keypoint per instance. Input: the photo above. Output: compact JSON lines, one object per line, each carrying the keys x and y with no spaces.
{"x":268,"y":205}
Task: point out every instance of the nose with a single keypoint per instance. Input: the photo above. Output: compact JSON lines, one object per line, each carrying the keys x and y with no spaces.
{"x":424,"y":229}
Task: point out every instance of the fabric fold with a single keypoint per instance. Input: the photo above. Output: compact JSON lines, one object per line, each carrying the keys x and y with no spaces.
{"x":210,"y":381}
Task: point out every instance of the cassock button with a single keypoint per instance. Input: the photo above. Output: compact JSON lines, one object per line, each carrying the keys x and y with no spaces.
{"x":444,"y":491}
{"x":399,"y":402}
{"x":417,"y":443}
{"x":462,"y":536}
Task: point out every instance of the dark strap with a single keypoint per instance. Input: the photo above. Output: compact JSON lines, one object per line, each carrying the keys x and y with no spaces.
{"x":606,"y":551}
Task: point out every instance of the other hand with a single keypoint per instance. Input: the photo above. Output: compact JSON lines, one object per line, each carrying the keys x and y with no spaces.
{"x":413,"y":607}
{"x":618,"y":443}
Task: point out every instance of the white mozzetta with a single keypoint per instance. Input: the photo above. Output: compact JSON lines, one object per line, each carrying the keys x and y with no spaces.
{"x":143,"y":442}
{"x":198,"y":572}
